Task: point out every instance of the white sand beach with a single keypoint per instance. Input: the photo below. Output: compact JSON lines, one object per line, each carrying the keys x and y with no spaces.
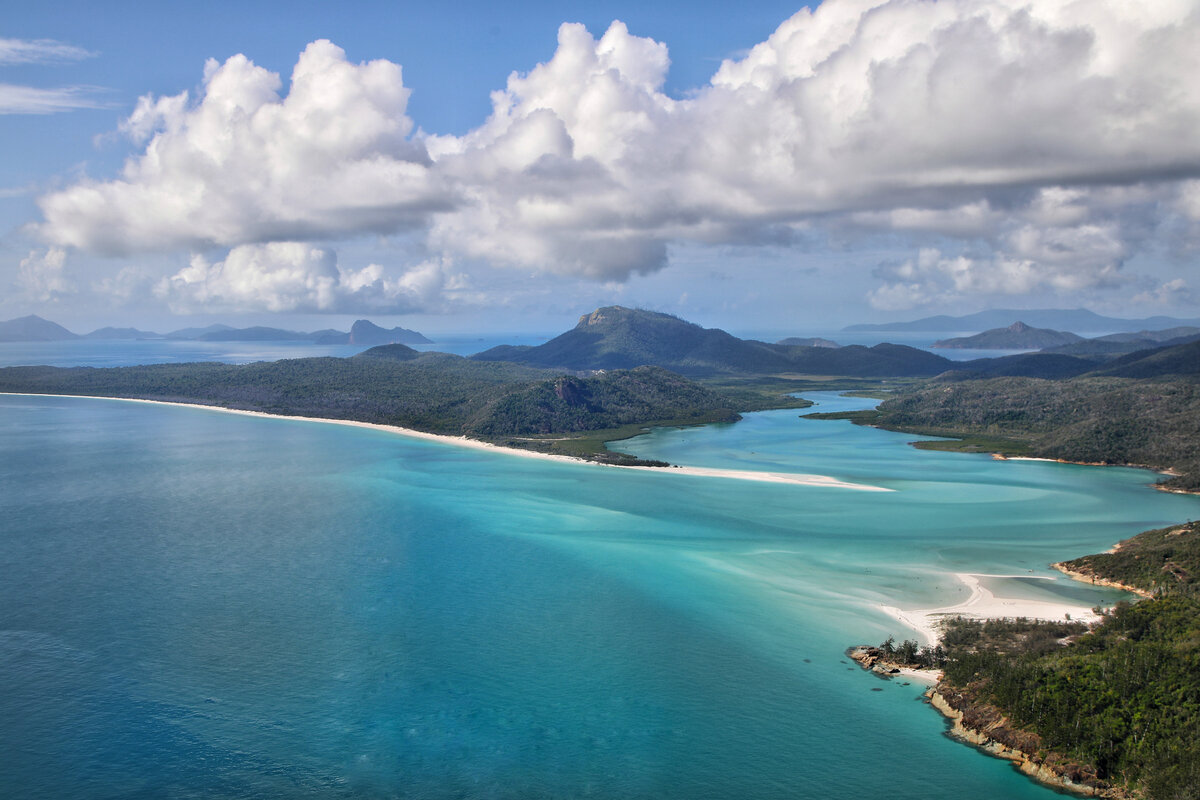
{"x":799,"y":479}
{"x":984,"y":604}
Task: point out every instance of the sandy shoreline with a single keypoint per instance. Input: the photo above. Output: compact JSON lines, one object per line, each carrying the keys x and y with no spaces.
{"x":984,"y":604}
{"x":798,"y":479}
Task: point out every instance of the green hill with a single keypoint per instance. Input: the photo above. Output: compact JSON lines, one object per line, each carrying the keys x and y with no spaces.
{"x":395,"y":385}
{"x":33,"y":329}
{"x":621,"y":338}
{"x":1017,"y":336}
{"x":1103,"y":420}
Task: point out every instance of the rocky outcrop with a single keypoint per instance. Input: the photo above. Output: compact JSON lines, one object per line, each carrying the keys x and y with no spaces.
{"x":985,"y":727}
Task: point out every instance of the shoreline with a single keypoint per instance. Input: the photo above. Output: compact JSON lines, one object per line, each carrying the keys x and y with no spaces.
{"x":985,"y":604}
{"x":797,"y":479}
{"x":1095,"y":580}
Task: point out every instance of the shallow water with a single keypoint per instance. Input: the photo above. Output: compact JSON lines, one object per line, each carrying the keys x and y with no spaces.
{"x":199,"y":604}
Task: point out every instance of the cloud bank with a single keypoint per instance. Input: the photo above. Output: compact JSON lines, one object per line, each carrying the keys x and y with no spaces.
{"x":1017,"y":146}
{"x":294,"y":276}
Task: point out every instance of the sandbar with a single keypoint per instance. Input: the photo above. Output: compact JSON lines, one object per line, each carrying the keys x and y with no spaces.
{"x":799,"y":479}
{"x":984,"y":604}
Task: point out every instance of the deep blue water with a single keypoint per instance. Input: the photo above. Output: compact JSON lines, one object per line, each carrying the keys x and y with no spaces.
{"x":200,"y":604}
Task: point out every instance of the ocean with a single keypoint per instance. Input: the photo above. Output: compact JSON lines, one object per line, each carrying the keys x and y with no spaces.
{"x":201,"y":604}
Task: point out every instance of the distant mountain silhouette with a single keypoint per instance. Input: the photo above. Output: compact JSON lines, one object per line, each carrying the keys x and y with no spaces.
{"x":257,"y":333}
{"x":121,"y":333}
{"x":33,"y":329}
{"x":815,"y":341}
{"x":1017,"y":336}
{"x":1179,"y":360}
{"x":615,"y":337}
{"x":366,"y":332}
{"x":196,"y":333}
{"x":1077,"y":319}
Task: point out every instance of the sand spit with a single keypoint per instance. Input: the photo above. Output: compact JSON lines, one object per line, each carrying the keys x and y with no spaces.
{"x":984,"y":604}
{"x":798,"y":479}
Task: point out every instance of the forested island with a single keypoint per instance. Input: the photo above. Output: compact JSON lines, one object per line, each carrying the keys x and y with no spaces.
{"x":498,"y":402}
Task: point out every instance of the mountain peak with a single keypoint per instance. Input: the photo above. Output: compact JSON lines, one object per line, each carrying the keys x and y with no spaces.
{"x":33,"y":328}
{"x":1018,"y":327}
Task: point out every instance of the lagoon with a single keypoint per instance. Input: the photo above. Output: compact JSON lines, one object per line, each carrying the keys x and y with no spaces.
{"x":195,"y":603}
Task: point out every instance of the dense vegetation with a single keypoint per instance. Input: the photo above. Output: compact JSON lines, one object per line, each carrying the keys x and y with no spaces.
{"x":1162,"y":560}
{"x":1124,"y":699}
{"x":1092,"y":420}
{"x":622,"y":338}
{"x":1118,"y":705}
{"x":395,"y":385}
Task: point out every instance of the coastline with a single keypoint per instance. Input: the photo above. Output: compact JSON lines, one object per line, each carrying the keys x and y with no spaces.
{"x":985,"y":604}
{"x":797,"y":479}
{"x":1095,"y":580}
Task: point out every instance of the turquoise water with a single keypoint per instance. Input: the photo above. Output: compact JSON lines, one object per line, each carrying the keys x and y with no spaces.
{"x":199,"y":604}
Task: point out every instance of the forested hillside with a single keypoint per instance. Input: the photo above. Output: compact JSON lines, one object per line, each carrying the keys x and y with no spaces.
{"x":394,"y":385}
{"x":1092,"y":420}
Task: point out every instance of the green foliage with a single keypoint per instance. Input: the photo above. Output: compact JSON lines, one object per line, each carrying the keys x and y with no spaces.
{"x":1124,"y":698}
{"x":623,"y":338}
{"x":393,"y":385}
{"x":1167,"y":559}
{"x":1090,"y":420}
{"x":568,"y":404}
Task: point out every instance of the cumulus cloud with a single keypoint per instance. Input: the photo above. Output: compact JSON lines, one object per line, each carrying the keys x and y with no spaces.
{"x":1056,"y":261}
{"x":294,"y":276}
{"x":1022,"y":130}
{"x":1166,"y":294}
{"x":42,"y":275}
{"x":245,"y":165}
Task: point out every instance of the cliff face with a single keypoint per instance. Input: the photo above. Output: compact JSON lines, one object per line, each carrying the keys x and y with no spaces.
{"x":986,"y":728}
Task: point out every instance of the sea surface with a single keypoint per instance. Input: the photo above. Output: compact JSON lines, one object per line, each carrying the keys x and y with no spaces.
{"x":196,"y":604}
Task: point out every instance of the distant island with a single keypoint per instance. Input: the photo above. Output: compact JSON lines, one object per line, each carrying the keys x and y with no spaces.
{"x":1017,"y":336}
{"x":364,"y":332}
{"x":503,"y":403}
{"x":815,"y":341}
{"x":583,"y":388}
{"x":1076,"y":319}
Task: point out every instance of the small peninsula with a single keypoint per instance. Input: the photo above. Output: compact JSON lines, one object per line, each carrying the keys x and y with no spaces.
{"x":1110,"y":709}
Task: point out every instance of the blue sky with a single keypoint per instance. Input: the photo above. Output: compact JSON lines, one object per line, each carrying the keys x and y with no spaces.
{"x":468,"y":166}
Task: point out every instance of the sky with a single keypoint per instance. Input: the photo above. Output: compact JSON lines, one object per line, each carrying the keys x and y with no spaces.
{"x":474,"y":167}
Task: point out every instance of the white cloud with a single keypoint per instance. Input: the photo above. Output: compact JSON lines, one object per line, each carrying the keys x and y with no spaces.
{"x":1056,"y":261}
{"x":294,"y":276}
{"x":34,"y":51}
{"x":16,"y":99}
{"x":30,"y":100}
{"x":42,"y":275}
{"x":1015,"y":127}
{"x":244,"y":165}
{"x":1170,"y":294}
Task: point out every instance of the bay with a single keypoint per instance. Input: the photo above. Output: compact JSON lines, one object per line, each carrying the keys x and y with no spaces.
{"x":200,"y":604}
